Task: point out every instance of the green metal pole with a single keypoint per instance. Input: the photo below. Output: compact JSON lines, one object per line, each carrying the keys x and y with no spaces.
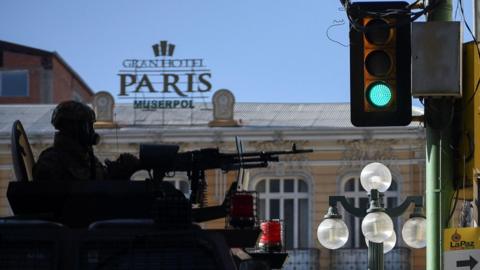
{"x":439,"y":179}
{"x":375,"y":250}
{"x":433,"y":200}
{"x":375,"y":256}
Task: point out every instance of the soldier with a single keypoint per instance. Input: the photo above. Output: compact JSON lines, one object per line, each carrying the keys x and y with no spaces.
{"x":71,"y":157}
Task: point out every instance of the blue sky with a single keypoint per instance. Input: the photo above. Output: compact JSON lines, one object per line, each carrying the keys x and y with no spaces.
{"x":262,"y":50}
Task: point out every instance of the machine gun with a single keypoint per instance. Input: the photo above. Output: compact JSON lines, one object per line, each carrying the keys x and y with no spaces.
{"x":127,"y":223}
{"x":164,"y":159}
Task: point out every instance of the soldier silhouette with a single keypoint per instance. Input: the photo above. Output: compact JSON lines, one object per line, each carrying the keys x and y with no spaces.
{"x":71,"y":157}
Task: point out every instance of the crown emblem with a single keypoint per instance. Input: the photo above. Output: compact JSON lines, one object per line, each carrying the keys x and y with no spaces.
{"x":456,"y":236}
{"x":163,"y":48}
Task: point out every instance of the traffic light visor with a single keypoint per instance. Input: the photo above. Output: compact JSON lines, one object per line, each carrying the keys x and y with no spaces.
{"x":378,"y":63}
{"x":378,"y":32}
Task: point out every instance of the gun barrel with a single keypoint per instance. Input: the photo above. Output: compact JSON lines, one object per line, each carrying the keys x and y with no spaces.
{"x":273,"y":153}
{"x":237,"y":166}
{"x":256,"y":159}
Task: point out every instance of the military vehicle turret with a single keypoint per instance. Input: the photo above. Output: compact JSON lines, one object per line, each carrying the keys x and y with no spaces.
{"x":130,"y":224}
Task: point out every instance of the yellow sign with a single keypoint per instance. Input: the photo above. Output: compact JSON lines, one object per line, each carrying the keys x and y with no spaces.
{"x":461,"y":239}
{"x":461,"y":249}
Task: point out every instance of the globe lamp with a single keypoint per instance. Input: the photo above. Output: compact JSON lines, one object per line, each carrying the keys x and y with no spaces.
{"x":388,"y":244}
{"x":376,"y":176}
{"x":377,"y":227}
{"x":332,"y":233}
{"x":413,"y":232}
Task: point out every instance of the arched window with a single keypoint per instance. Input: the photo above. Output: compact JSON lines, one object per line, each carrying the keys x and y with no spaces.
{"x":356,"y":195}
{"x":286,"y":199}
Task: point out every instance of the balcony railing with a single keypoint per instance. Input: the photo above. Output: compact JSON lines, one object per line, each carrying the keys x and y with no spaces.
{"x":356,"y":259}
{"x":303,"y":259}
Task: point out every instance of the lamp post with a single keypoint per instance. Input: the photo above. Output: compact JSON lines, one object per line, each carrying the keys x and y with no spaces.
{"x":377,"y":225}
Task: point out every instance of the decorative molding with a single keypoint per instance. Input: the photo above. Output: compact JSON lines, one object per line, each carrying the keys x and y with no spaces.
{"x":358,"y":153}
{"x":223,"y":107}
{"x":103,"y":104}
{"x":217,"y":138}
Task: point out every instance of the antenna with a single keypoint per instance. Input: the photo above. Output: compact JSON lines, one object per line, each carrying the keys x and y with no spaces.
{"x":241,"y":171}
{"x":116,"y":131}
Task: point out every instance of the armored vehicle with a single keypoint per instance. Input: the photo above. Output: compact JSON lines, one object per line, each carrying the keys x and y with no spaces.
{"x":133,"y":224}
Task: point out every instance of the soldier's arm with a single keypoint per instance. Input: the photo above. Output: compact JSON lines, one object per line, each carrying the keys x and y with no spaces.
{"x":122,"y":168}
{"x":48,"y":167}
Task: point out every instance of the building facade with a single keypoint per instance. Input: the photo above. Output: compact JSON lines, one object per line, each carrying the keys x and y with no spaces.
{"x":295,"y":190}
{"x":33,"y":76}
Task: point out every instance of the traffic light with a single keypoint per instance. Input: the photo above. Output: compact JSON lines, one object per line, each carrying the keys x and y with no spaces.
{"x":380,"y":65}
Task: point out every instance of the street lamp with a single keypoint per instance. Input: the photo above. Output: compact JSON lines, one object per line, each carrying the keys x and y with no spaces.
{"x":332,"y":232}
{"x":388,"y":244}
{"x":375,"y":176}
{"x":413,"y":231}
{"x":377,"y":224}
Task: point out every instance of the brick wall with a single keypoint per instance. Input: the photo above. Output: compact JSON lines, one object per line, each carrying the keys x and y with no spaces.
{"x":50,"y":82}
{"x":65,"y":85}
{"x":32,"y":63}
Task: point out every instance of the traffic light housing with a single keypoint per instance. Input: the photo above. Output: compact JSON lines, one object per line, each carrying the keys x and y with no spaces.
{"x":380,"y":64}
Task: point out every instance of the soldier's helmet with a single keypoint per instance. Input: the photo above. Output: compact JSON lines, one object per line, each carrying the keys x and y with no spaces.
{"x":68,"y":112}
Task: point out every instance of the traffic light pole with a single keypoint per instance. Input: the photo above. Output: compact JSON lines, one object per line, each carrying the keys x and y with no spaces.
{"x":439,"y":158}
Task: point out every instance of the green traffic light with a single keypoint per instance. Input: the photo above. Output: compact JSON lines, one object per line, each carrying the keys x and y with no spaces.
{"x":379,"y":94}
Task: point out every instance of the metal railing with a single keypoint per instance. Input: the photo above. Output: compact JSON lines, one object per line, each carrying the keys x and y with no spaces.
{"x":356,"y":259}
{"x":303,"y":259}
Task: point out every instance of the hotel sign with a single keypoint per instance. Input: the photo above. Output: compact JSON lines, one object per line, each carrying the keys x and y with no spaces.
{"x":164,"y":82}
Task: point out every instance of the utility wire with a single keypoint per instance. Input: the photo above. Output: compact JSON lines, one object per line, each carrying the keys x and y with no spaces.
{"x":385,"y":13}
{"x":335,"y":23}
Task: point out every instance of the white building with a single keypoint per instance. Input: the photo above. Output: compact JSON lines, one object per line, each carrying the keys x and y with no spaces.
{"x":295,"y":190}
